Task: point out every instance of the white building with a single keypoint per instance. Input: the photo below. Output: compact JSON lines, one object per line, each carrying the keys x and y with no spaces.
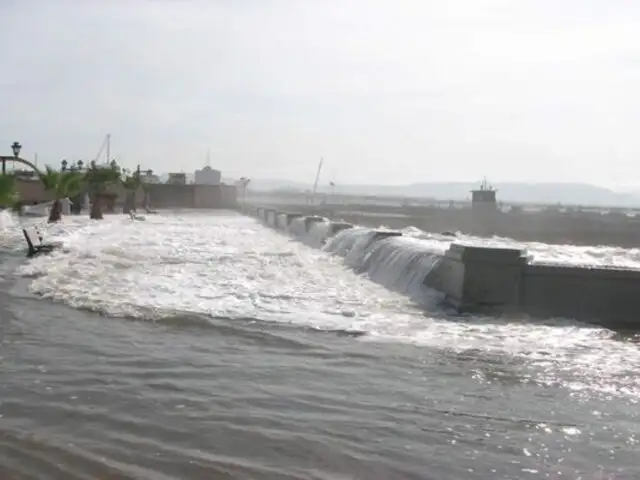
{"x":146,"y":177}
{"x":207,"y":176}
{"x":177,"y":178}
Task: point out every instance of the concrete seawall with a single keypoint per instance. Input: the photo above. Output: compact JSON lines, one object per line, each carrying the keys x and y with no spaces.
{"x":494,"y":280}
{"x":571,"y":227}
{"x":498,"y":281}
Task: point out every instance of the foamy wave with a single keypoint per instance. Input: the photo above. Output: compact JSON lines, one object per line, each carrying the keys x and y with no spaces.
{"x":233,"y":267}
{"x":221,"y":266}
{"x":542,"y":253}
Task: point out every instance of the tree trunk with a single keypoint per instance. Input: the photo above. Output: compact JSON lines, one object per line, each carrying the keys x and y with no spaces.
{"x":96,"y":208}
{"x":76,"y":205}
{"x":55,"y":214}
{"x":129,"y":201}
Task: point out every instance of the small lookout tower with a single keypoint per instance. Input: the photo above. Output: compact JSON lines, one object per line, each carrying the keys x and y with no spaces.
{"x":484,"y":198}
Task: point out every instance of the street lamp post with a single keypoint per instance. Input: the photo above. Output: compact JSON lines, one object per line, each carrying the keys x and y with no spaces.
{"x":15,"y":147}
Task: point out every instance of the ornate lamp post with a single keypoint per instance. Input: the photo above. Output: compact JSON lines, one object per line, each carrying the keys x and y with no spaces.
{"x":15,"y":147}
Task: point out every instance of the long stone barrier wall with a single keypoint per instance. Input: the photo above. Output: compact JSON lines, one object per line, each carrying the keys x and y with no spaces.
{"x":499,"y":281}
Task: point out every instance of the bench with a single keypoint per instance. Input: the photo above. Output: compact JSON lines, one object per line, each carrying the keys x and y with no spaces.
{"x":133,"y":216}
{"x":35,"y":243}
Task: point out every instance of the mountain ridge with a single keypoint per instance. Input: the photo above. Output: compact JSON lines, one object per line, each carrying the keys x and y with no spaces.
{"x":521,"y":192}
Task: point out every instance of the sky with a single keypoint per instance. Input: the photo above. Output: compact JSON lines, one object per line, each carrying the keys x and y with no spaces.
{"x":387,"y":92}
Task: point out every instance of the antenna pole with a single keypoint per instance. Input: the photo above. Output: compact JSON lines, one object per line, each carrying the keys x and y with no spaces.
{"x":108,"y":147}
{"x":315,"y":184}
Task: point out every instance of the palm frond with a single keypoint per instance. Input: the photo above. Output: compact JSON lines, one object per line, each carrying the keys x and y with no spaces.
{"x":131,"y":182}
{"x":50,"y":178}
{"x":99,"y":178}
{"x":70,"y":184}
{"x":7,"y":189}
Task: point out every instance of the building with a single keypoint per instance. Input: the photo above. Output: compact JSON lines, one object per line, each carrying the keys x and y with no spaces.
{"x":177,"y":179}
{"x":207,"y":176}
{"x":242,"y":188}
{"x":147,"y":177}
{"x":483,"y":199}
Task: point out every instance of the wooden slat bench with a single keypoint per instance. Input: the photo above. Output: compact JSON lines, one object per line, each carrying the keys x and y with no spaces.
{"x":35,"y":242}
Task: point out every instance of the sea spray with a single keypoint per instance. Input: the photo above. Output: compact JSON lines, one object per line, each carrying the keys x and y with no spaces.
{"x":6,"y":220}
{"x":317,"y":235}
{"x":297,"y":227}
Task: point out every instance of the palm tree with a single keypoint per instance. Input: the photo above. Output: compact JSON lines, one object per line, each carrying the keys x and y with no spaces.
{"x":7,"y":190}
{"x":131,"y":183}
{"x":64,"y":183}
{"x":98,"y":179}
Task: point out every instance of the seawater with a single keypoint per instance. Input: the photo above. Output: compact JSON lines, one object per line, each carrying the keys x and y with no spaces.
{"x":197,"y":345}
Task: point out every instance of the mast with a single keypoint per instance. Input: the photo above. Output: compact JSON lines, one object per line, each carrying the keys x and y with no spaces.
{"x":108,"y":147}
{"x":315,"y":184}
{"x":106,"y":143}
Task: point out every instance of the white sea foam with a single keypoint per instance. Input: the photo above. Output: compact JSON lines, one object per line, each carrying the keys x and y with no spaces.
{"x":232,"y":266}
{"x":6,"y":220}
{"x":542,"y":253}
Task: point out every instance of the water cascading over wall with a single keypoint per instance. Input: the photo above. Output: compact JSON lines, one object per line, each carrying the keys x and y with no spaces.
{"x":318,"y":234}
{"x":399,"y":263}
{"x":297,"y":227}
{"x":476,"y":278}
{"x":388,"y":258}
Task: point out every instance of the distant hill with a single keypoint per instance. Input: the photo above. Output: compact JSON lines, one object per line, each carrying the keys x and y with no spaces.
{"x":518,"y":192}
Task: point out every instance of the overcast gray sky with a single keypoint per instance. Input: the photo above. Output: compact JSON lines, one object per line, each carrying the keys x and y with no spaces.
{"x":386,"y":91}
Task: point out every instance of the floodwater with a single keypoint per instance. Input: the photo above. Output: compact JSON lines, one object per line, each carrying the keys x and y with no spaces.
{"x":206,"y":346}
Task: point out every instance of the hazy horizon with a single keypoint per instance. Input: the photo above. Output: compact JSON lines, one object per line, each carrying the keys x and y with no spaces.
{"x":387,"y":92}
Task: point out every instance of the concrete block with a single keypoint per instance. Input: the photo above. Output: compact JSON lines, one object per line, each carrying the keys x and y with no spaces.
{"x":336,"y":227}
{"x":291,"y":216}
{"x":309,"y":221}
{"x":271,"y":217}
{"x":605,"y":296}
{"x":297,"y":227}
{"x":381,"y":234}
{"x":480,"y":279}
{"x":376,"y":235}
{"x":281,"y":221}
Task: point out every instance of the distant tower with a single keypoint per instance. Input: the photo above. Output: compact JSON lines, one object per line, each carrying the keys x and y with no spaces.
{"x":484,"y":210}
{"x":484,"y":198}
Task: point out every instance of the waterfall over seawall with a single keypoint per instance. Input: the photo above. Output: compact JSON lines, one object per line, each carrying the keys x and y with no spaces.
{"x":396,"y":262}
{"x":487,"y":276}
{"x":318,"y":234}
{"x":399,"y":263}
